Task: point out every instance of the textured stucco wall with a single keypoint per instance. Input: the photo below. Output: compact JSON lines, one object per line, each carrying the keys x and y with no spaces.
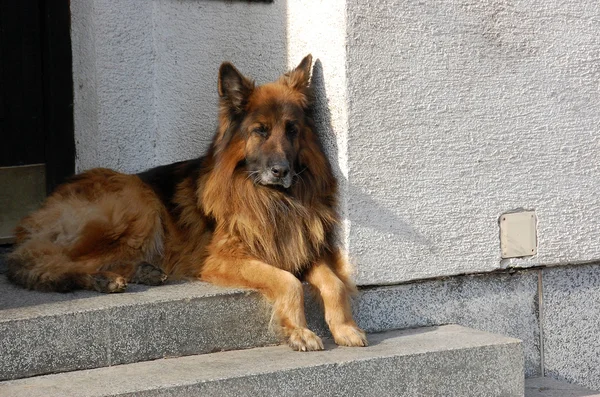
{"x":460,"y":111}
{"x":145,"y":73}
{"x":113,"y":83}
{"x":438,"y":116}
{"x":191,"y":39}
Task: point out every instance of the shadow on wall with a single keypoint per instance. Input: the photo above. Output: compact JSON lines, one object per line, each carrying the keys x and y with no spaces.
{"x":380,"y":217}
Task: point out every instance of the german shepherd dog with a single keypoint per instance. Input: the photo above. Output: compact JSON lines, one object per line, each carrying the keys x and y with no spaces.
{"x":257,"y":211}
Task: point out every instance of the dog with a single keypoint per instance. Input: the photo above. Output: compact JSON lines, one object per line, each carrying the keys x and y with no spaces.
{"x":258,"y":211}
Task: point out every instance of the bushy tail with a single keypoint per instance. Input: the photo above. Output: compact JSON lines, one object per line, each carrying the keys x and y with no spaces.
{"x":43,"y":270}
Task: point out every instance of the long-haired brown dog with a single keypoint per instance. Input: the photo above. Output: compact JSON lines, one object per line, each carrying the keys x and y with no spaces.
{"x":257,"y":211}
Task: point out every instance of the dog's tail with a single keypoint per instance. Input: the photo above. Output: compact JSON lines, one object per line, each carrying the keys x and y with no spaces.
{"x":41,"y":270}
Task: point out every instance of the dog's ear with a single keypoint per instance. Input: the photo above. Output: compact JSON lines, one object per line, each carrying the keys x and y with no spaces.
{"x":299,"y":78}
{"x":234,"y":88}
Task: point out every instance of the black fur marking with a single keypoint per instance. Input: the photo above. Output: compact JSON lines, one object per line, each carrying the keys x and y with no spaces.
{"x":165,"y":178}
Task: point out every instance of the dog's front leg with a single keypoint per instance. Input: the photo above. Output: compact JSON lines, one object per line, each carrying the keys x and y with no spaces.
{"x":336,"y":303}
{"x":282,"y":288}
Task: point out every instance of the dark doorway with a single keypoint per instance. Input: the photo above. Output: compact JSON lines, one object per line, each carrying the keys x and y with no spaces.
{"x":37,"y":149}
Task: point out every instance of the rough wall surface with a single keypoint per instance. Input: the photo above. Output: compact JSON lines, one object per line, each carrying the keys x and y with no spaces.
{"x":113,"y":83}
{"x":460,"y":111}
{"x":571,"y":324}
{"x":499,"y":303}
{"x":191,"y":39}
{"x":146,"y":74}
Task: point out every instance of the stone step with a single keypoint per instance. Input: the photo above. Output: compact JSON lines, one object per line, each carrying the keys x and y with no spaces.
{"x":438,"y":361}
{"x":52,"y":332}
{"x":547,"y":387}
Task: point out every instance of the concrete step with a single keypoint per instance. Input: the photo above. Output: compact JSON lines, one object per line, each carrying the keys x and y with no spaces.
{"x":547,"y":387}
{"x":438,"y":361}
{"x":45,"y":333}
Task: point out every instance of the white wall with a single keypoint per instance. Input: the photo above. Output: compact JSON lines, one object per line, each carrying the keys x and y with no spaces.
{"x":460,"y":111}
{"x":113,"y":83}
{"x":438,"y":116}
{"x":145,"y":73}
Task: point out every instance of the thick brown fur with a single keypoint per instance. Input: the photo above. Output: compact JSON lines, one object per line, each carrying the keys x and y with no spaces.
{"x":257,"y":211}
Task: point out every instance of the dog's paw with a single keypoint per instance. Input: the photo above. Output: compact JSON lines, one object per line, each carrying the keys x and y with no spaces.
{"x":108,"y":283}
{"x":303,"y":339}
{"x":149,"y":275}
{"x":349,"y":335}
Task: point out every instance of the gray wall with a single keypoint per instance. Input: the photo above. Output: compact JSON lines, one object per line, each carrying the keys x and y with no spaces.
{"x":438,"y":116}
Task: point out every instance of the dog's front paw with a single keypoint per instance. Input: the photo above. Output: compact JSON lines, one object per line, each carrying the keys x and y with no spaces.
{"x":303,"y":339}
{"x":349,"y":335}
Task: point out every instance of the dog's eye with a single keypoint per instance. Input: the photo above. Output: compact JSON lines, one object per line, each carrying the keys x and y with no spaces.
{"x":262,"y":131}
{"x":291,"y":129}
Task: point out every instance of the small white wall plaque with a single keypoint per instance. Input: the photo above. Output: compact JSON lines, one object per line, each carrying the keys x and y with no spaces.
{"x":518,"y":234}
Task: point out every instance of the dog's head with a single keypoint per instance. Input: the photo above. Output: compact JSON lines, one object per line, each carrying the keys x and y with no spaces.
{"x":268,"y":120}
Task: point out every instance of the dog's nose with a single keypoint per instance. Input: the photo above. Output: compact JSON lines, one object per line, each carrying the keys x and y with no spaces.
{"x":280,"y":170}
